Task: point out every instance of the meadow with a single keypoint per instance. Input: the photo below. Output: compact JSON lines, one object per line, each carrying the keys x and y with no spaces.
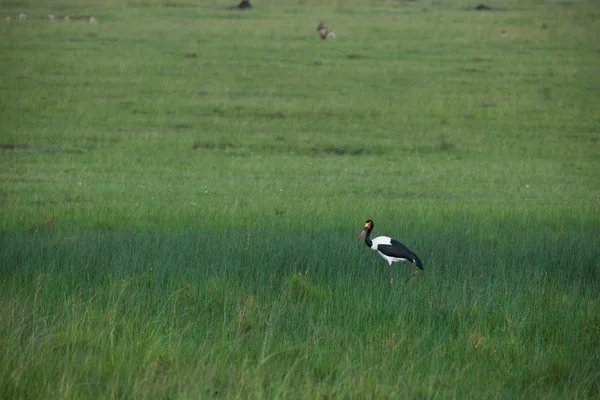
{"x":182,"y":186}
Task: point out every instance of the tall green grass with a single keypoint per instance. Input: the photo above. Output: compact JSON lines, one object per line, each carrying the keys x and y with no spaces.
{"x":276,"y":311}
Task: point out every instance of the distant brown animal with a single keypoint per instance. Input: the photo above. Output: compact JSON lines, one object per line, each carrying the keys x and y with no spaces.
{"x":324,"y":32}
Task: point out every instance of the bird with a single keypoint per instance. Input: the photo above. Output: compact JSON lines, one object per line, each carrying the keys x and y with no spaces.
{"x":390,"y":249}
{"x":324,"y":32}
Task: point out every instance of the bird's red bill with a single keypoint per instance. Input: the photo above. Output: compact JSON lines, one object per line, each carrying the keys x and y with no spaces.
{"x":361,"y":235}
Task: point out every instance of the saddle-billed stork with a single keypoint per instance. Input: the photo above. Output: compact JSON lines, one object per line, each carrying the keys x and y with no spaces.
{"x":390,"y":249}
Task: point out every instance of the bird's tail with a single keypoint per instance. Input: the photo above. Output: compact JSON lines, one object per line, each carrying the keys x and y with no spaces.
{"x":417,"y":261}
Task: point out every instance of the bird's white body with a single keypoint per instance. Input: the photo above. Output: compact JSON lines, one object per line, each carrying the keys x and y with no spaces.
{"x":385,"y":241}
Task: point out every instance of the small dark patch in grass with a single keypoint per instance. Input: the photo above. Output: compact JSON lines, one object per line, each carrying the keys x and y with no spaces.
{"x":544,"y":26}
{"x":582,"y":138}
{"x":482,"y":59}
{"x":489,"y":105}
{"x":334,"y":150}
{"x":43,"y":203}
{"x":211,"y":146}
{"x":546,"y":93}
{"x":470,"y":69}
{"x":203,"y":92}
{"x":11,"y":146}
{"x":339,"y":151}
{"x":219,"y":111}
{"x":191,"y":55}
{"x":180,"y":127}
{"x":354,"y":56}
{"x":52,"y":202}
{"x":483,"y":7}
{"x":446,"y":144}
{"x":317,"y":63}
{"x":76,"y":199}
{"x":207,"y":146}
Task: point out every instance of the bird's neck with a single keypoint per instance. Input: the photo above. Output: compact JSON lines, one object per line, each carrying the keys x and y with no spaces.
{"x":368,"y":240}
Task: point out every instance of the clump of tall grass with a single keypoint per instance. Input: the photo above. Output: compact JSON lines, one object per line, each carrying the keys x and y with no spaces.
{"x":300,"y":288}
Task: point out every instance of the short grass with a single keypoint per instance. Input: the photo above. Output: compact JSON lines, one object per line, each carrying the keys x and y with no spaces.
{"x":182,"y":186}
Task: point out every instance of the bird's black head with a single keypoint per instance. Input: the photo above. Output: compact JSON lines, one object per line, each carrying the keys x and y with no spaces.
{"x":368,"y":228}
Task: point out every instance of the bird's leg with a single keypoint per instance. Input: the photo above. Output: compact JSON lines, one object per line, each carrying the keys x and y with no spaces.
{"x":391,"y":277}
{"x":411,"y":275}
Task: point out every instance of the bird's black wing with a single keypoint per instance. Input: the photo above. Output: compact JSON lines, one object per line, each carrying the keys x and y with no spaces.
{"x":399,"y":250}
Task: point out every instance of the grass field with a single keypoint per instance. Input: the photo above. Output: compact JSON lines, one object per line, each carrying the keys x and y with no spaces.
{"x":182,"y":185}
